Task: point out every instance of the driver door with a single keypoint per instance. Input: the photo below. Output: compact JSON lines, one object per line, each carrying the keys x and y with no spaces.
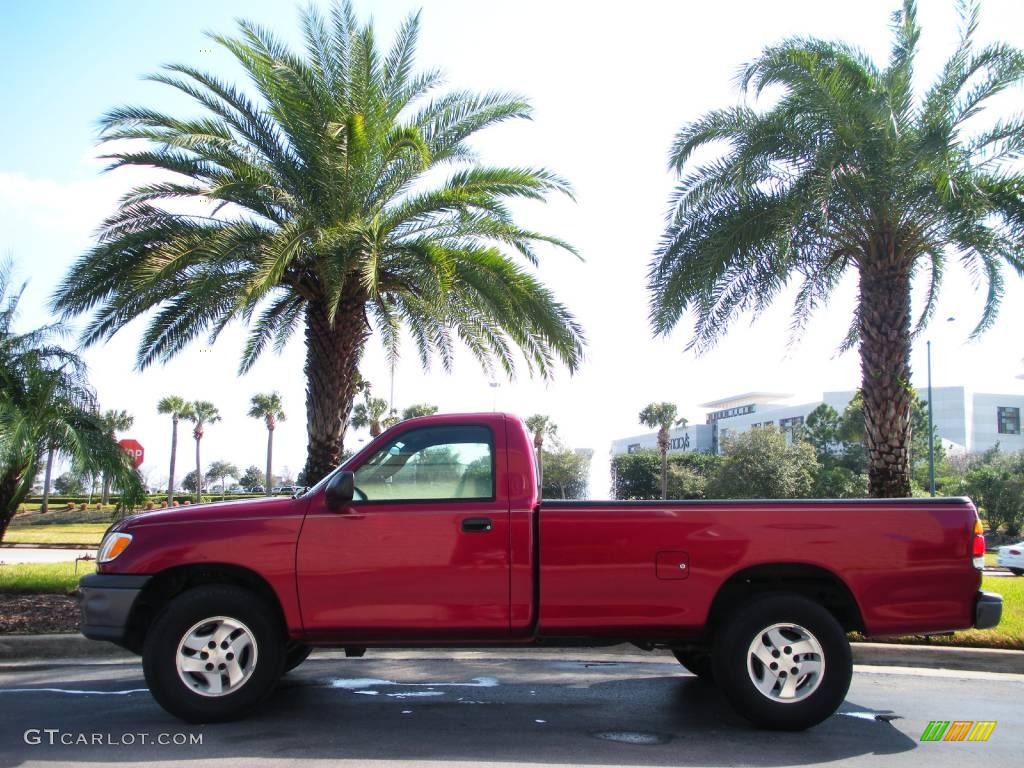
{"x":423,"y":548}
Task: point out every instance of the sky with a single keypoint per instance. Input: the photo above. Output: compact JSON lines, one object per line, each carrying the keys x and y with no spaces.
{"x":610,"y":86}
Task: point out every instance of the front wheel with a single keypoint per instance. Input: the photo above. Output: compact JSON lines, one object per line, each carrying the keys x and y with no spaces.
{"x":213,"y":653}
{"x":783,"y":662}
{"x":295,"y":654}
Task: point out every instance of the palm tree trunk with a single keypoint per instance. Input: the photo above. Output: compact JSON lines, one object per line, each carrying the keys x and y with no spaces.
{"x":332,"y":366}
{"x":46,"y":481}
{"x":105,"y":497}
{"x":199,"y":475}
{"x":270,"y":457}
{"x":663,"y":445}
{"x":174,"y":455}
{"x":885,"y":370}
{"x":12,"y":491}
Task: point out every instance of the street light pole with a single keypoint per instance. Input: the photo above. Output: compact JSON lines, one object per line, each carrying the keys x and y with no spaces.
{"x":931,"y":429}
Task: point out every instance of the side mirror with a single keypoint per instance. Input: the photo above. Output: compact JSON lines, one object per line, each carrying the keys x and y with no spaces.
{"x":340,"y":490}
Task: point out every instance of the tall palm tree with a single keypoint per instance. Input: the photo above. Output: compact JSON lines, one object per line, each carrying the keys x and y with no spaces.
{"x":662,"y":416}
{"x":47,"y":405}
{"x":541,"y":426}
{"x":346,"y":199}
{"x":222,"y":470}
{"x":201,"y":413}
{"x":850,"y":169}
{"x":114,"y":421}
{"x":270,"y":409}
{"x":178,"y":408}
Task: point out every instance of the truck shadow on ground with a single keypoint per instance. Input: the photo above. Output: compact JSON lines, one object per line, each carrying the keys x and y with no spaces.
{"x":462,"y":711}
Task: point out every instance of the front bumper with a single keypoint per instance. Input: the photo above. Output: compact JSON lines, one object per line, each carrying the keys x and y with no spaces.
{"x":106,"y":603}
{"x":988,"y":609}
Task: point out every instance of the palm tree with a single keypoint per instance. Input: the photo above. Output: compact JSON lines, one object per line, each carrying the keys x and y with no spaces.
{"x":346,"y":200}
{"x":369,"y":413}
{"x":222,"y":470}
{"x":540,"y":426}
{"x":178,"y":408}
{"x":48,"y":407}
{"x":270,"y":409}
{"x":200,"y":413}
{"x":662,"y":416}
{"x":114,"y":421}
{"x":850,"y":169}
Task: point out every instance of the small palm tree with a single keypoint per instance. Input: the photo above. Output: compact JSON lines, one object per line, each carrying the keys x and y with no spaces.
{"x":222,"y":470}
{"x":270,"y":409}
{"x":347,"y":200}
{"x":178,"y":408}
{"x":201,"y":413}
{"x":540,"y":426}
{"x":48,"y":407}
{"x":850,"y":170}
{"x":662,"y":416}
{"x":369,"y":413}
{"x":114,"y":421}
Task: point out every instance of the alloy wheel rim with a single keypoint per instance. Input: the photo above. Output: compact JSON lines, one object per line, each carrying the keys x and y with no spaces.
{"x":786,"y":663}
{"x":216,"y":656}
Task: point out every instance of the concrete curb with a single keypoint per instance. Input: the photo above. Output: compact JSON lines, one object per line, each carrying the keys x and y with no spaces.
{"x":30,"y":648}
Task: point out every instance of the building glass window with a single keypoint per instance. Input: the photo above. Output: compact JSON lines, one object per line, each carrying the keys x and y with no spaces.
{"x":791,"y":424}
{"x":1009,"y":421}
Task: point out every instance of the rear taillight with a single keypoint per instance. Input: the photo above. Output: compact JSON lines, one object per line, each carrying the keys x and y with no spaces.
{"x":978,"y":545}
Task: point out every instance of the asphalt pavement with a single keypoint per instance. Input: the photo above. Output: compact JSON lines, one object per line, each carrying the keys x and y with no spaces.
{"x":490,"y":708}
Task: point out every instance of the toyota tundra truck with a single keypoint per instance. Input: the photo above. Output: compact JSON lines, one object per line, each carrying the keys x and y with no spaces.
{"x":434,"y":535}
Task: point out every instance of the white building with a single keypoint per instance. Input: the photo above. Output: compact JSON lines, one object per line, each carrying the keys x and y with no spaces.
{"x":964,"y":420}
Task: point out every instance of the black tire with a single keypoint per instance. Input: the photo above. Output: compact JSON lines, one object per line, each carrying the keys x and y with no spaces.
{"x":736,"y":669}
{"x":295,"y":654}
{"x":1017,"y":571}
{"x":263,"y":659}
{"x":698,"y":663}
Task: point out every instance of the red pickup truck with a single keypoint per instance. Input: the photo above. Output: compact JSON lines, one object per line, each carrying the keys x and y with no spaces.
{"x":434,"y":535}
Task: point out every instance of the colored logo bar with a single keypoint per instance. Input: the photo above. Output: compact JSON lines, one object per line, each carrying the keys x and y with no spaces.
{"x":958,"y":730}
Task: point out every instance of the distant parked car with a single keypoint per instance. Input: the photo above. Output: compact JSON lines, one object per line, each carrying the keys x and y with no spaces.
{"x":257,"y":489}
{"x":236,"y":489}
{"x":283,"y":489}
{"x":1012,"y":557}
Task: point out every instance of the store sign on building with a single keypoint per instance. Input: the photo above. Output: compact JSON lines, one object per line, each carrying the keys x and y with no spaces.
{"x":680,"y":443}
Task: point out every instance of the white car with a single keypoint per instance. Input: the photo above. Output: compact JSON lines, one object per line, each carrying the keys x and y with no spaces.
{"x":1012,"y":557}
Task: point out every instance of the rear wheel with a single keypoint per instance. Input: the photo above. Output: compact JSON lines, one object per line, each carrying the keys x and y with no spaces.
{"x":783,"y":662}
{"x":697,"y":662}
{"x":213,"y":653}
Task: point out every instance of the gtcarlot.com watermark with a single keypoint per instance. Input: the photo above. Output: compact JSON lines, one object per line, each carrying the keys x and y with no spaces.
{"x":56,"y":737}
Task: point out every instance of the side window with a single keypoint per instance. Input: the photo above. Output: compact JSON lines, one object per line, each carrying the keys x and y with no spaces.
{"x":430,"y":463}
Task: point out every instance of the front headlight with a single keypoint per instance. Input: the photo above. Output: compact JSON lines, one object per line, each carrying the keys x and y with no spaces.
{"x":113,"y":545}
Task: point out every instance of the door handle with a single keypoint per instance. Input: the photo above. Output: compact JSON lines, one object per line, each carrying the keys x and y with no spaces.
{"x":477,"y":524}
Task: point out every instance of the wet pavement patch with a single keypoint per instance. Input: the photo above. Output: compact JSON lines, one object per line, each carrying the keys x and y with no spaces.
{"x":633,"y":737}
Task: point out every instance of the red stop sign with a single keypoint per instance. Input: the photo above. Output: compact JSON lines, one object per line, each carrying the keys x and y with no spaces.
{"x":134,"y":449}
